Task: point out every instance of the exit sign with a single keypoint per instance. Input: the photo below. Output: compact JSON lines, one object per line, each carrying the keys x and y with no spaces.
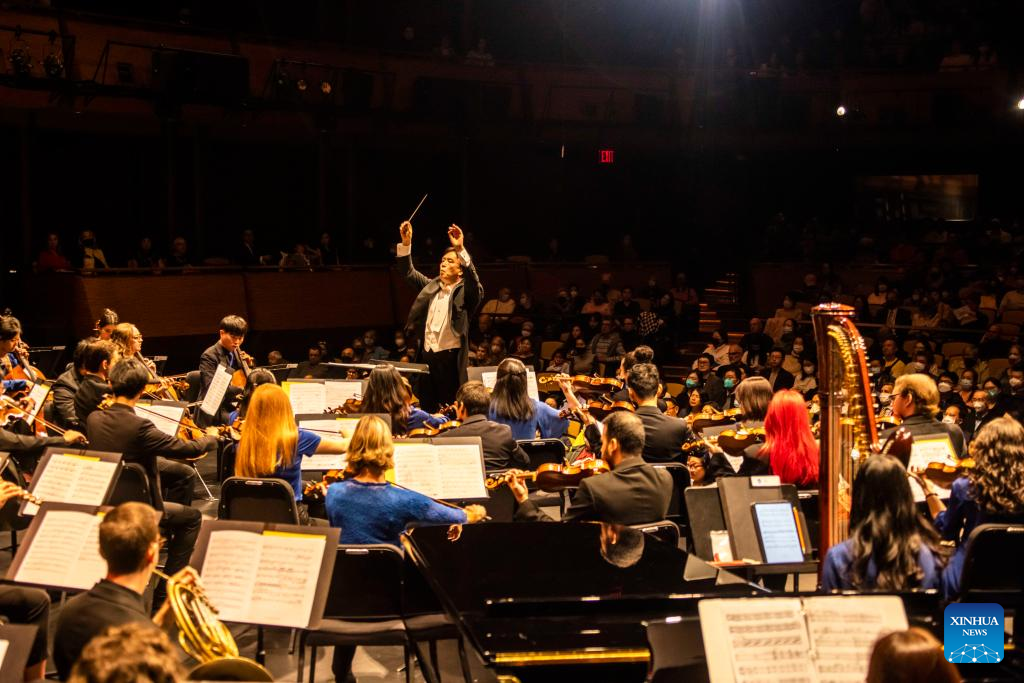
{"x":606,"y":156}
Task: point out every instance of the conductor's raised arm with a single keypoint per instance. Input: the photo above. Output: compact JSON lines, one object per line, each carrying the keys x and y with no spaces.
{"x":404,"y":254}
{"x":474,"y":290}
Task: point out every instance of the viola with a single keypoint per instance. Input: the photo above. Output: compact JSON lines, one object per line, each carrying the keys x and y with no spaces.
{"x":584,"y":383}
{"x":425,"y":432}
{"x":552,"y":476}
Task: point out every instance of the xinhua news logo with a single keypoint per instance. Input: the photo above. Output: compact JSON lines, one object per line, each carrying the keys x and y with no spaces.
{"x":973,"y":633}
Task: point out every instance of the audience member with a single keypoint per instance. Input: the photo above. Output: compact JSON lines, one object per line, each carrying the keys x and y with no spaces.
{"x":52,"y":258}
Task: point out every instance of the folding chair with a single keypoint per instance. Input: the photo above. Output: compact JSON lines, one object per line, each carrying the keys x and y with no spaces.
{"x":663,"y":530}
{"x":258,"y":500}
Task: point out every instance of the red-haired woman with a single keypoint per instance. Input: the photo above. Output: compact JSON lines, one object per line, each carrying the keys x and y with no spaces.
{"x":789,"y":447}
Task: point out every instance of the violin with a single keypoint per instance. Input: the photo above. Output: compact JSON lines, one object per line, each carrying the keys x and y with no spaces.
{"x":584,"y":383}
{"x":735,"y":441}
{"x":943,"y":474}
{"x":425,"y":432}
{"x":10,"y":412}
{"x":316,"y":491}
{"x":552,"y":476}
{"x":350,"y":407}
{"x":709,"y":417}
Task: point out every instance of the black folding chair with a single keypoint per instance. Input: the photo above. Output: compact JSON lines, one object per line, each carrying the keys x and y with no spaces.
{"x":192,"y":393}
{"x":258,"y":500}
{"x":665,"y":530}
{"x":989,"y":573}
{"x":132,"y":486}
{"x":677,"y":651}
{"x":500,"y":504}
{"x":10,"y":520}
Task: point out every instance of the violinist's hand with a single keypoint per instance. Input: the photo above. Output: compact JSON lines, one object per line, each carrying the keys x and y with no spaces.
{"x":71,"y":436}
{"x":405,"y":230}
{"x":456,"y":237}
{"x":918,"y":475}
{"x":518,"y":486}
{"x":8,"y":491}
{"x":565,"y":385}
{"x":212,"y":431}
{"x":475,"y":513}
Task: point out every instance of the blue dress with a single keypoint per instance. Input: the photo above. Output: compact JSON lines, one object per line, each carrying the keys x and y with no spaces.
{"x":545,"y":418}
{"x":421,"y":418}
{"x":839,"y":561}
{"x":306,"y":444}
{"x":370,"y":513}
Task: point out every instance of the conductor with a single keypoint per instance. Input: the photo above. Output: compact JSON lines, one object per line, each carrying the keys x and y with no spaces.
{"x":440,"y":316}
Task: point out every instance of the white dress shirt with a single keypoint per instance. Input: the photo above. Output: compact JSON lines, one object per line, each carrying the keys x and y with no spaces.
{"x":438,"y":335}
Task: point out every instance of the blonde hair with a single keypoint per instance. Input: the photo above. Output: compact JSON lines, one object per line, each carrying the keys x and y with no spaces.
{"x":269,"y":436}
{"x":922,"y":388}
{"x":371,"y":447}
{"x":123,"y":337}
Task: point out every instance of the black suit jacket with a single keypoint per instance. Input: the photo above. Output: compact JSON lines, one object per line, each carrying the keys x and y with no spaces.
{"x":462,"y":305}
{"x":663,"y":435}
{"x":64,"y":389}
{"x":91,"y":613}
{"x":784,"y":380}
{"x":500,"y":450}
{"x":924,"y":426}
{"x":208,"y":362}
{"x":91,"y":390}
{"x":635,"y":492}
{"x":119,"y":430}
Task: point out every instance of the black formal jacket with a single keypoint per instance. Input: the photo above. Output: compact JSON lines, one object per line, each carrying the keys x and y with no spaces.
{"x":91,"y":390}
{"x":784,"y":380}
{"x":500,"y":450}
{"x":64,"y":389}
{"x":635,"y":492}
{"x":91,"y":613}
{"x":119,"y":430}
{"x":926,"y":425}
{"x":208,"y":362}
{"x":9,"y":441}
{"x":663,"y":435}
{"x":462,"y":305}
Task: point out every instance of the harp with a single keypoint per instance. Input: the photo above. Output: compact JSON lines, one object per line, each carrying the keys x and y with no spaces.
{"x":848,"y":428}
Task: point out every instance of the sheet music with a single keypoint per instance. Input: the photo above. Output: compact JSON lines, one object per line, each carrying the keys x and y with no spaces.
{"x":342,"y":426}
{"x":307,"y":397}
{"x":215,"y":394}
{"x":67,"y":478}
{"x":340,"y":390}
{"x":779,"y":535}
{"x":756,"y":640}
{"x":267,"y":579}
{"x":38,"y":395}
{"x":166,"y":418}
{"x":64,"y":552}
{"x":417,"y":468}
{"x":843,"y":629}
{"x":462,"y":476}
{"x":321,"y":462}
{"x":490,"y":377}
{"x":930,"y":449}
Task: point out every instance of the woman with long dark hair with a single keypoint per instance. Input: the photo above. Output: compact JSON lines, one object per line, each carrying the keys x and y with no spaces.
{"x":257,"y":377}
{"x":789,"y":447}
{"x":511,"y":404}
{"x":991,"y":491}
{"x":388,"y":393}
{"x":891,"y":547}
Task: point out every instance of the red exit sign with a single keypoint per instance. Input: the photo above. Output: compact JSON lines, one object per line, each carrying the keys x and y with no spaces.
{"x":606,"y":156}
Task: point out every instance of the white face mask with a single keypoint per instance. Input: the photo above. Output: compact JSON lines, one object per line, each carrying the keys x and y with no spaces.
{"x":798,"y":348}
{"x":1016,"y":381}
{"x":884,"y":397}
{"x":978,"y":405}
{"x":949,"y":419}
{"x":945,"y":387}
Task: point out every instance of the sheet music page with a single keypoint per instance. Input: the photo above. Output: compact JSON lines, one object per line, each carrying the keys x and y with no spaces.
{"x":323,"y":461}
{"x":229,"y":572}
{"x":463,"y":475}
{"x":342,"y":426}
{"x":287,"y":577}
{"x":930,"y":449}
{"x":307,"y":397}
{"x":843,"y":629}
{"x":489,"y":378}
{"x":64,"y":552}
{"x":38,"y":395}
{"x":165,"y":418}
{"x":341,"y":390}
{"x":756,"y":640}
{"x":417,"y":468}
{"x":68,"y":478}
{"x":215,"y":394}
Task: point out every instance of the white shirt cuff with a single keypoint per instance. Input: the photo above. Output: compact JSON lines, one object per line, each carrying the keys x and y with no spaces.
{"x":402,"y":250}
{"x":464,"y":257}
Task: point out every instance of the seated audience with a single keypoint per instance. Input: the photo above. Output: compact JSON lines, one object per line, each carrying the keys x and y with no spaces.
{"x":558,"y":363}
{"x":789,"y":447}
{"x":806,"y":382}
{"x":755,"y":344}
{"x":777,"y":376}
{"x":501,"y":451}
{"x":718,"y":347}
{"x":634,"y":492}
{"x":313,"y":367}
{"x":664,"y":435}
{"x":710,"y":383}
{"x":511,"y":404}
{"x":607,"y":347}
{"x":273,"y":446}
{"x":891,"y":548}
{"x":911,"y":656}
{"x":892,"y":365}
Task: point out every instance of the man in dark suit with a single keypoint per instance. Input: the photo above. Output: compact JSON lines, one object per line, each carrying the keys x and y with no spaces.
{"x":119,"y":430}
{"x":500,"y":450}
{"x":663,"y":434}
{"x":777,"y":376}
{"x":232,"y":332}
{"x":129,"y":541}
{"x":634,"y":492}
{"x":441,"y":315}
{"x":915,"y":400}
{"x":93,"y":386}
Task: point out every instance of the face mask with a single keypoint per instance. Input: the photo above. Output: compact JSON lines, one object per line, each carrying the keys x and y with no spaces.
{"x":815,"y":408}
{"x":523,"y":302}
{"x":691,"y":383}
{"x":808,"y":369}
{"x":949,"y":419}
{"x":526,"y":333}
{"x":884,"y":397}
{"x":787,"y":330}
{"x":729,"y":382}
{"x":993,"y":392}
{"x":89,"y":243}
{"x":1014,"y":359}
{"x":874,"y":370}
{"x":978,"y":405}
{"x":369,"y":343}
{"x":945,"y":387}
{"x":966,"y":384}
{"x":1016,"y":382}
{"x":798,"y":348}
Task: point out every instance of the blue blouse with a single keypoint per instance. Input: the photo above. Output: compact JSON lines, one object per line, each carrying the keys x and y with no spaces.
{"x":421,"y":418}
{"x":839,"y":561}
{"x":545,"y":418}
{"x":306,"y":444}
{"x":379,"y":513}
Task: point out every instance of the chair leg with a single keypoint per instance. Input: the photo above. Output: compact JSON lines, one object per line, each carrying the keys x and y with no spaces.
{"x":301,"y":645}
{"x":312,"y":664}
{"x":209,"y":494}
{"x":467,"y":673}
{"x":428,"y":672}
{"x":433,"y":658}
{"x":292,"y":640}
{"x":408,"y":669}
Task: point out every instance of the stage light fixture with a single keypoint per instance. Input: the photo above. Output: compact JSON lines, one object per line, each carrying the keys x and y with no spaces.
{"x":325,"y":87}
{"x":301,"y":85}
{"x":53,"y":62}
{"x":1020,"y":104}
{"x":840,"y":111}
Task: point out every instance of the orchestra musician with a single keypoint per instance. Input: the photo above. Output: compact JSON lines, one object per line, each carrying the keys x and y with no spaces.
{"x":634,"y":492}
{"x":128,"y":340}
{"x":105,"y":325}
{"x":65,"y":387}
{"x":527,"y":417}
{"x":663,"y":434}
{"x":10,"y":341}
{"x":441,"y":314}
{"x":753,"y":395}
{"x":389,"y":393}
{"x":119,"y":430}
{"x":500,"y":450}
{"x":94,"y":385}
{"x":915,"y":400}
{"x":225,"y":353}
